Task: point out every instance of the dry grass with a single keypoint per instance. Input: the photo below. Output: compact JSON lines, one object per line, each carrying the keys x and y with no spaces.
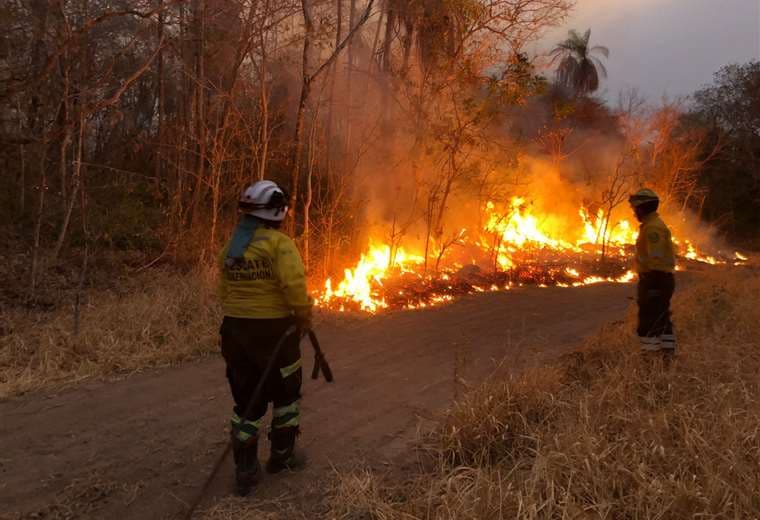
{"x":607,"y":433}
{"x":241,"y":509}
{"x":81,"y":498}
{"x":158,"y":318}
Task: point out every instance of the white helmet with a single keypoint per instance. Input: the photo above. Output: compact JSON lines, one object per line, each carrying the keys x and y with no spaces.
{"x":266,"y":200}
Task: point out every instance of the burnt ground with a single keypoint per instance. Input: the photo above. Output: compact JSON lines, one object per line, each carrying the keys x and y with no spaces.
{"x":139,"y":448}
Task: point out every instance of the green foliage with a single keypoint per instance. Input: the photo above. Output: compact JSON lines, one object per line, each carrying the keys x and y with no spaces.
{"x":730,"y":109}
{"x":579,"y":69}
{"x":127,"y":220}
{"x":519,"y":81}
{"x":732,"y":102}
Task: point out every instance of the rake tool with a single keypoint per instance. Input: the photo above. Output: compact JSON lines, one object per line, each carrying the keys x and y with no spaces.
{"x":320,"y":363}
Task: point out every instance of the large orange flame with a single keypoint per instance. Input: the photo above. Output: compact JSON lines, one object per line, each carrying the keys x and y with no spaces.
{"x":509,"y":232}
{"x":371,"y":269}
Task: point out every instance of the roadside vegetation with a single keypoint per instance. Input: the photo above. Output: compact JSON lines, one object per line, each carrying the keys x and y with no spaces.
{"x":157,"y":318}
{"x":605,"y":433}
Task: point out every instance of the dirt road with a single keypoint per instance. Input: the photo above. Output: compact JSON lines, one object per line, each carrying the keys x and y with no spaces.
{"x":140,"y":447}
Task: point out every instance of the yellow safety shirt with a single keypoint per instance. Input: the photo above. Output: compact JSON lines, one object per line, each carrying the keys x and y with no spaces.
{"x":654,"y":246}
{"x":268,"y":282}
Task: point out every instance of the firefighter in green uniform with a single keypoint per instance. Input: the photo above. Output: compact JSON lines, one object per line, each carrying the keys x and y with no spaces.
{"x":655,"y":263}
{"x":263,"y":293}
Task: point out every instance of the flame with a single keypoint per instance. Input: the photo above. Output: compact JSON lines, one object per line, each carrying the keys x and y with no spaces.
{"x":519,"y":226}
{"x":627,"y":277}
{"x":739,"y":259}
{"x":598,"y":230}
{"x":692,"y":254}
{"x":511,"y":248}
{"x":359,"y":283}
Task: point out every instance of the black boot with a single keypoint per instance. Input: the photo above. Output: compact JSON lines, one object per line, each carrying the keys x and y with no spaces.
{"x":283,"y":455}
{"x":246,"y":464}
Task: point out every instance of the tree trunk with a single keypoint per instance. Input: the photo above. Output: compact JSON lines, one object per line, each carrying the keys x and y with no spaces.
{"x":389,"y":23}
{"x":430,"y":211}
{"x":408,"y":40}
{"x":446,"y":192}
{"x":83,"y":273}
{"x":199,"y":22}
{"x":43,"y":187}
{"x":263,"y":99}
{"x":387,"y":65}
{"x":264,"y":137}
{"x":22,"y":180}
{"x":604,"y":231}
{"x":40,"y":13}
{"x":373,"y":53}
{"x":22,"y":169}
{"x":215,"y":196}
{"x":63,"y":119}
{"x":77,"y":185}
{"x":185,"y":110}
{"x":76,"y":177}
{"x":63,"y":166}
{"x":309,"y":191}
{"x":80,"y":290}
{"x":331,"y":101}
{"x":295,"y":173}
{"x":349,"y":86}
{"x":161,"y":94}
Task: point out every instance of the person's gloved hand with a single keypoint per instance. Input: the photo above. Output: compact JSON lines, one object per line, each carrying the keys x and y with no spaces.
{"x":303,"y":321}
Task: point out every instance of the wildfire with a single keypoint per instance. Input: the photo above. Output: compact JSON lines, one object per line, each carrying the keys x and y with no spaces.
{"x":515,"y":247}
{"x":692,"y":254}
{"x":740,"y":259}
{"x":627,"y":277}
{"x":359,"y":284}
{"x":519,"y":226}
{"x":598,"y":230}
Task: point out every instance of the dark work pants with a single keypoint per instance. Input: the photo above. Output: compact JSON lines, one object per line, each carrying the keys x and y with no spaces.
{"x":247,"y":345}
{"x":654,"y":293}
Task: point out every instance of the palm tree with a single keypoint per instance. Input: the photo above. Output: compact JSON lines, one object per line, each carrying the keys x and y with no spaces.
{"x":579,"y":69}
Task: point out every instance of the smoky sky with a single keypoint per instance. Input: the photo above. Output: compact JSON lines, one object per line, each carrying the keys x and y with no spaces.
{"x":665,"y":47}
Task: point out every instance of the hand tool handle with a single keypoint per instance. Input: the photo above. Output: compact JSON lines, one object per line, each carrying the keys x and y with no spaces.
{"x":320,"y":363}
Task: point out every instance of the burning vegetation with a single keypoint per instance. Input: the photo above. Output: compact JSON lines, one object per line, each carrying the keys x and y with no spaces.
{"x":515,"y":246}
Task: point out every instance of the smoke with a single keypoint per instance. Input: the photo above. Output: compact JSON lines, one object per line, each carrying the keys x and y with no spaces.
{"x":412,"y":178}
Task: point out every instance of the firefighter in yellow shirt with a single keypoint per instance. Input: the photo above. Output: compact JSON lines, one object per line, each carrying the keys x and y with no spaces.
{"x":263,"y":294}
{"x":655,"y":263}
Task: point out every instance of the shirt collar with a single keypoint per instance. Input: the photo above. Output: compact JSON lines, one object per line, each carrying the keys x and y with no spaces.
{"x":649,"y":218}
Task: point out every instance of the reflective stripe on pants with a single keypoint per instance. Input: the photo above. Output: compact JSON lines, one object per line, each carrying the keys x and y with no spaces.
{"x":285,"y":416}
